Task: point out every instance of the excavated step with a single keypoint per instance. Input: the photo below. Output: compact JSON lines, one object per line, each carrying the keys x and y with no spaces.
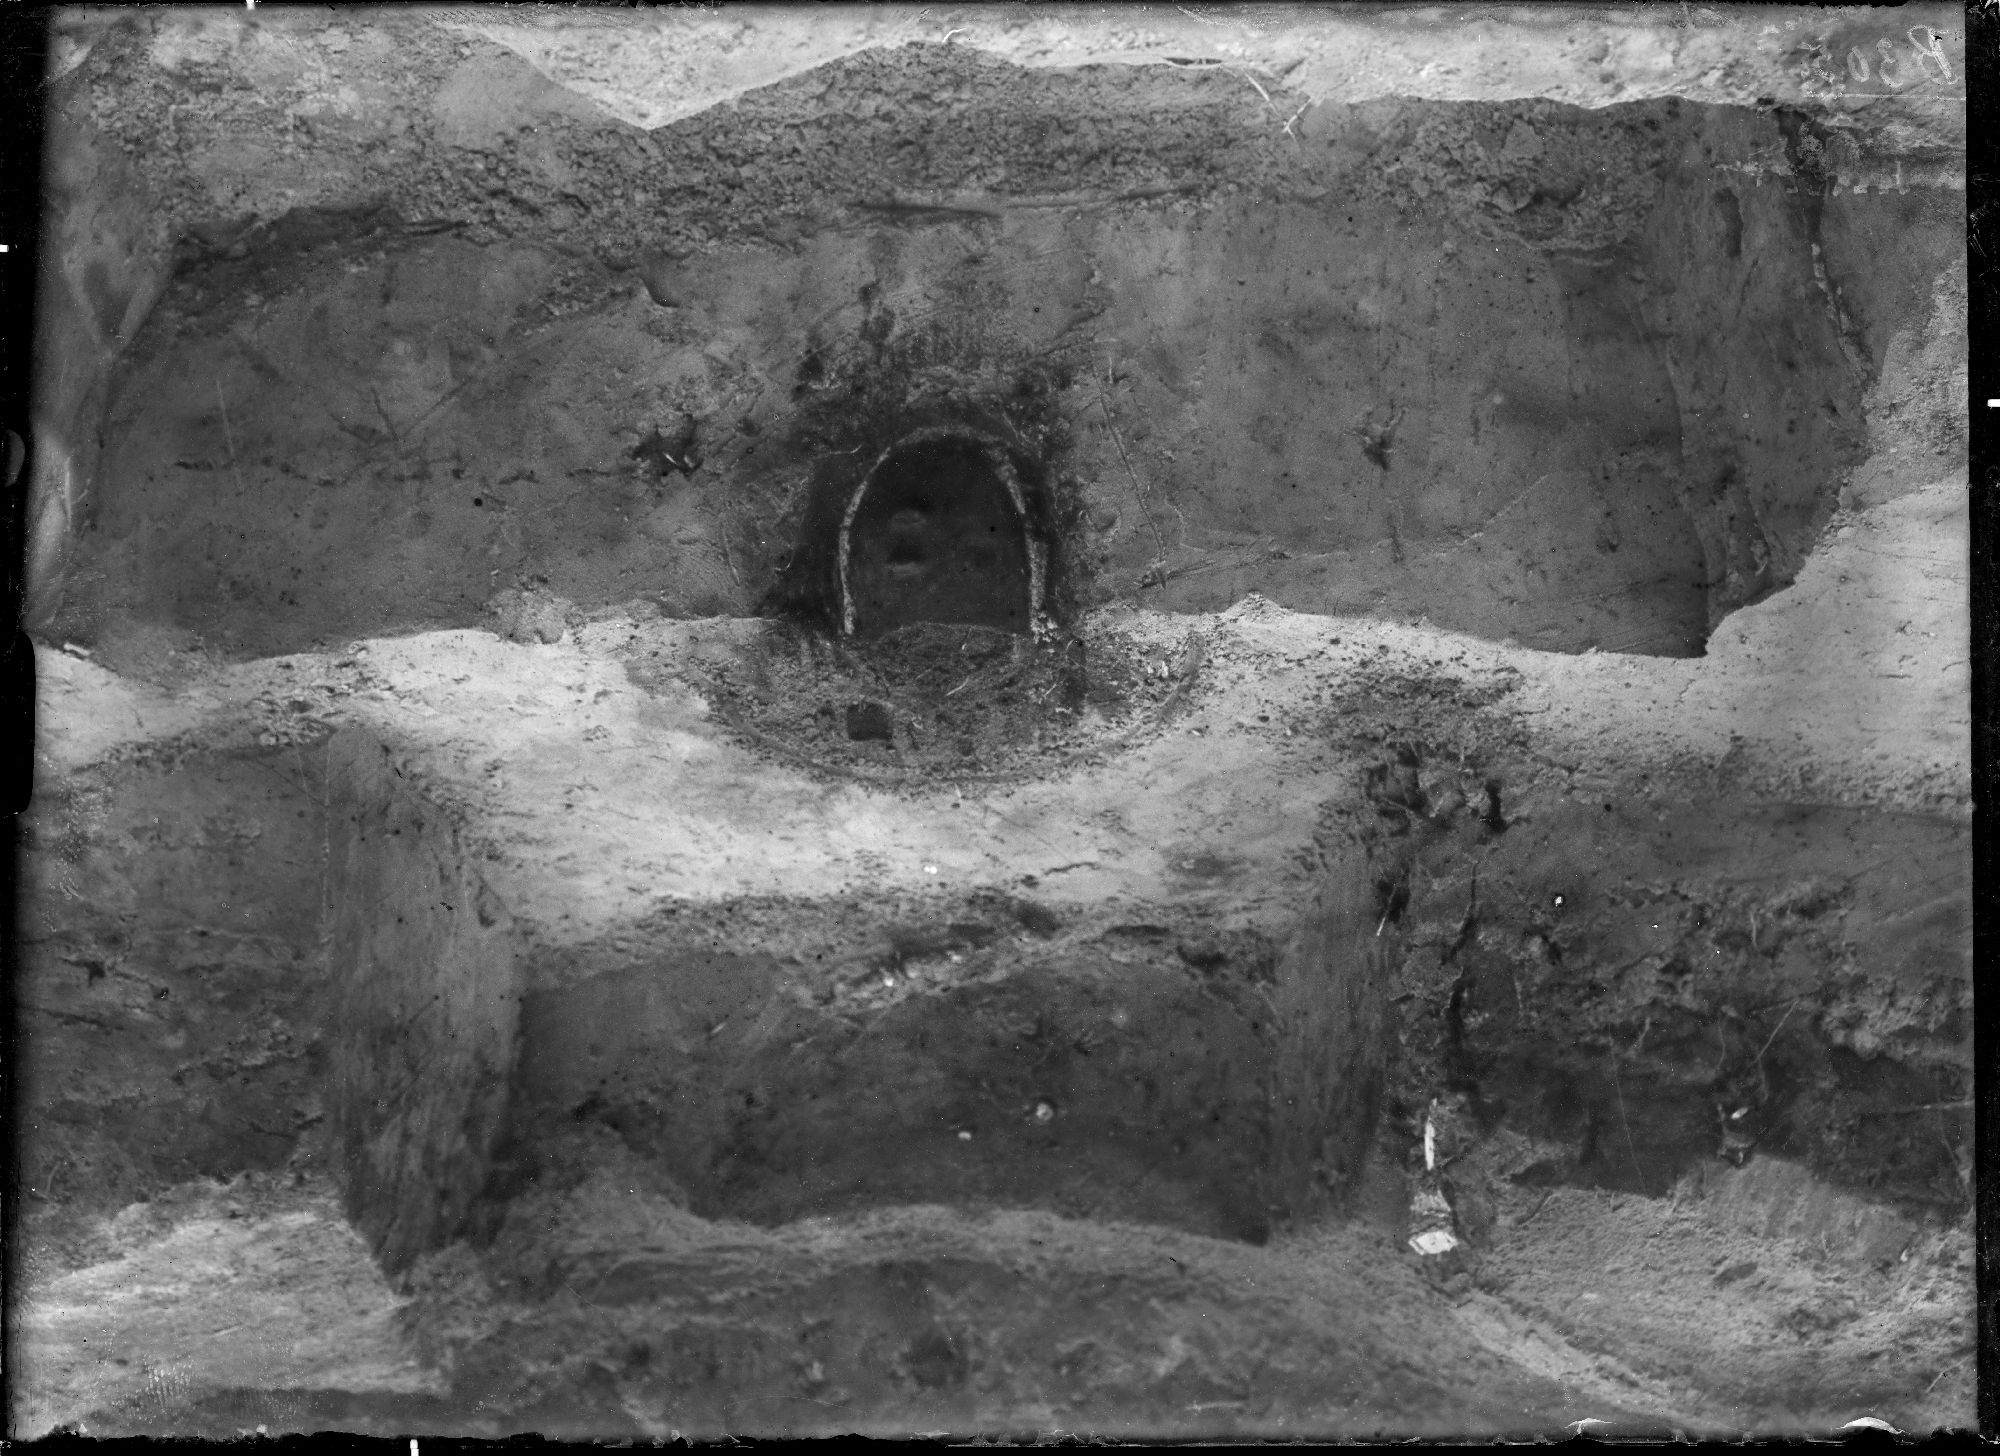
{"x":1201,"y":1047}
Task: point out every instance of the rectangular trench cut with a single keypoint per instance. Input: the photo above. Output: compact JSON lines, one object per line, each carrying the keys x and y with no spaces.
{"x":1109,"y":1079}
{"x":1128,"y":1072}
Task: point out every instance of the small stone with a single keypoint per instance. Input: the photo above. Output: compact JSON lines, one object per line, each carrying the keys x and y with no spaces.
{"x":662,"y":281}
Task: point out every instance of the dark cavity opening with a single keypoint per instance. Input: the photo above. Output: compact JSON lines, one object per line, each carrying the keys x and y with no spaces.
{"x":936,"y":533}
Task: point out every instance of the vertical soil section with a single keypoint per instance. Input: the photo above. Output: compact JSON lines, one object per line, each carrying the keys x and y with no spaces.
{"x":1625,"y":990}
{"x":1331,"y":1006}
{"x":1525,"y":370}
{"x":168,"y":991}
{"x":427,"y":970}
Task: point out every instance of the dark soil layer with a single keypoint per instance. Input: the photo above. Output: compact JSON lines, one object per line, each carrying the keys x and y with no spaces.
{"x":1606,"y":984}
{"x":1637,"y":986}
{"x":170,"y":999}
{"x":1524,"y":369}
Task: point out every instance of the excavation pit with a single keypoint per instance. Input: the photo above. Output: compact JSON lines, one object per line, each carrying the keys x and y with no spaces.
{"x":1201,"y":1050}
{"x":1142,"y":997}
{"x":813,"y":714}
{"x":954,"y":1066}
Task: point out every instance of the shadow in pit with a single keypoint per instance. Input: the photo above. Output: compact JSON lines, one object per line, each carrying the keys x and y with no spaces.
{"x":939,"y":532}
{"x":1098,"y":1088}
{"x":928,"y":516}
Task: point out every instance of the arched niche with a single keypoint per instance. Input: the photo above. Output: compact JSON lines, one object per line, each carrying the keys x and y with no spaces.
{"x":938,"y":532}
